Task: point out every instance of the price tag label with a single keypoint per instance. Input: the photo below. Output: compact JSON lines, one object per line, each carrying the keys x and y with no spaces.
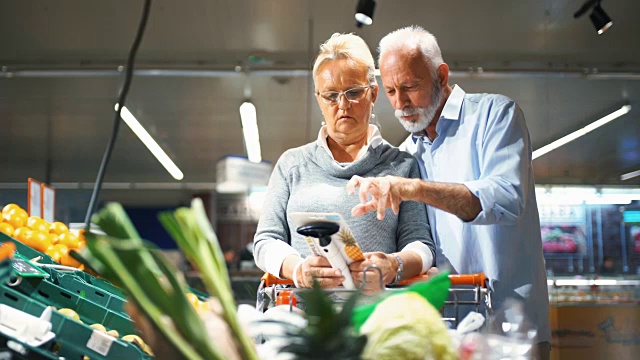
{"x":25,"y":268}
{"x":48,"y":203}
{"x":100,"y":342}
{"x":34,"y":197}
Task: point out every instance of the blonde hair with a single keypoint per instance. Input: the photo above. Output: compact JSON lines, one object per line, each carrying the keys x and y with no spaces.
{"x":346,"y":46}
{"x":413,"y":38}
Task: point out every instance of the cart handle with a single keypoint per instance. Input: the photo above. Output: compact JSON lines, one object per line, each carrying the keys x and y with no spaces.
{"x":272,"y":280}
{"x":478,"y":279}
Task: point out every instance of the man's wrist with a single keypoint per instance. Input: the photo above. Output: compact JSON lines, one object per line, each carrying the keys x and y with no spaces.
{"x":410,"y":189}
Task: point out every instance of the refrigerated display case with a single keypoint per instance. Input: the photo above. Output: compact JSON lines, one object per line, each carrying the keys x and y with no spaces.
{"x":566,"y":235}
{"x":630,"y":240}
{"x":595,"y":318}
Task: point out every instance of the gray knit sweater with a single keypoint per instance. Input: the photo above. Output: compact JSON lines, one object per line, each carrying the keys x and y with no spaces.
{"x":308,"y":179}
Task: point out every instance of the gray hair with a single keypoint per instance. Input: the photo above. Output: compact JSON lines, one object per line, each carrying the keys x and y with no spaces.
{"x":346,"y":46}
{"x":413,"y":38}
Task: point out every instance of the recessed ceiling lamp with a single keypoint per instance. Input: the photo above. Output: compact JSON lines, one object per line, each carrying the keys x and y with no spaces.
{"x":601,"y":21}
{"x":364,"y":12}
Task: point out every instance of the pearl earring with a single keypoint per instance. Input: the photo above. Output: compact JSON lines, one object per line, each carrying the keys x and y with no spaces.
{"x":323,"y":123}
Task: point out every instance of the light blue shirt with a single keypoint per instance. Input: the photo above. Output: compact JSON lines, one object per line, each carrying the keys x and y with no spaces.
{"x":483,"y":143}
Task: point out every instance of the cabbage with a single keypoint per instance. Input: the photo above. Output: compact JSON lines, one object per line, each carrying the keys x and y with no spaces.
{"x":406,"y":326}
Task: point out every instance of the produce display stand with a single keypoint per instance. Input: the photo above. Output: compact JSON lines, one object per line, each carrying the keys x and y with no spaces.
{"x":32,"y":289}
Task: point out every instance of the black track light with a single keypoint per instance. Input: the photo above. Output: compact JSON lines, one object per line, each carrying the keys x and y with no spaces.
{"x":601,"y":21}
{"x":364,"y":12}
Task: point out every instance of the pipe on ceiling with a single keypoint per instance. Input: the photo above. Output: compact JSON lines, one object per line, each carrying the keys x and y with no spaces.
{"x":475,"y":73}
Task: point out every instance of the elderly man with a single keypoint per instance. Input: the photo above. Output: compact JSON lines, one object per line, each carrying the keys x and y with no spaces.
{"x":475,"y":160}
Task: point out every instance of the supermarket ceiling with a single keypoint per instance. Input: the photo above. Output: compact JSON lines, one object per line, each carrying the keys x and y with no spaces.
{"x":54,"y":126}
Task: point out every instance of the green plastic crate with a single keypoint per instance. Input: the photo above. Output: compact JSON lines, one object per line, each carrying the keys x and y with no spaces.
{"x":72,"y":336}
{"x":100,"y":283}
{"x":6,"y":270}
{"x":30,"y":253}
{"x":29,"y":352}
{"x":50,"y":294}
{"x":90,"y":292}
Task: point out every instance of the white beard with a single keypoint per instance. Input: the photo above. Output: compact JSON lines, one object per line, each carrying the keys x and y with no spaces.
{"x":425,"y":115}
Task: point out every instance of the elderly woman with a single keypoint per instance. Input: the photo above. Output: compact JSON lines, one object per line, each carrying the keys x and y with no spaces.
{"x":313,"y":178}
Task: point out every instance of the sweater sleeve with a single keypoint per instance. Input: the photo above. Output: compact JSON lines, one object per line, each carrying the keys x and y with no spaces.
{"x":272,"y":240}
{"x":414,"y":228}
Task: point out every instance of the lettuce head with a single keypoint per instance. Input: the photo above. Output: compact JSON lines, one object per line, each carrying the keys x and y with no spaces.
{"x":406,"y":326}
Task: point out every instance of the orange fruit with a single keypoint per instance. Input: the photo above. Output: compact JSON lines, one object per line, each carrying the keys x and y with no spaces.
{"x":21,"y":233}
{"x":67,"y":260}
{"x":16,"y":217}
{"x":58,"y":228}
{"x":68,"y":239}
{"x":63,"y":249}
{"x":10,"y":207}
{"x":81,"y":244}
{"x":38,"y":240}
{"x":36,"y":223}
{"x":7,"y":250}
{"x":55,"y":254}
{"x":6,"y":228}
{"x":53,"y":238}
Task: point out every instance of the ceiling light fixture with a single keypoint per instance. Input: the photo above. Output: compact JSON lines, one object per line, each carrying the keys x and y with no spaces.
{"x":150,"y":143}
{"x":630,"y":175}
{"x":250,"y":131}
{"x":601,"y":21}
{"x":590,"y":195}
{"x":581,"y":132}
{"x":364,"y":12}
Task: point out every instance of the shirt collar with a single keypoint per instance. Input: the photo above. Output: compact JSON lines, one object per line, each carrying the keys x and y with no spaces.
{"x":374,"y":139}
{"x":450,"y":111}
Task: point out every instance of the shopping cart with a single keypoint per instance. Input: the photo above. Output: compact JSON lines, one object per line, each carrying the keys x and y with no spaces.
{"x":468,"y":292}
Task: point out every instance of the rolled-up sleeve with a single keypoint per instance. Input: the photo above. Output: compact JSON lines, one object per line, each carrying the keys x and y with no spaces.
{"x":271,"y":244}
{"x":505,"y":159}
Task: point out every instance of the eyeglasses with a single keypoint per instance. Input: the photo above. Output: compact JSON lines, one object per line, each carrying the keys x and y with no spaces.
{"x":352,"y":95}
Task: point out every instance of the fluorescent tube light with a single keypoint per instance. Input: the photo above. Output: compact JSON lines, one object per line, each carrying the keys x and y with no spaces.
{"x":577,"y":195}
{"x":630,"y":175}
{"x":250,"y":131}
{"x":150,"y":143}
{"x":587,"y":282}
{"x":578,"y":133}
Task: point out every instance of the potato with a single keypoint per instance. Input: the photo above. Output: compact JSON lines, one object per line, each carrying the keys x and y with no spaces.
{"x":70,"y":314}
{"x":99,"y":327}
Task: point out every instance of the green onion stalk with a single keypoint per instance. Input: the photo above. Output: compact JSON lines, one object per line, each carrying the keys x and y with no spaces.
{"x":192,"y":231}
{"x":150,"y":281}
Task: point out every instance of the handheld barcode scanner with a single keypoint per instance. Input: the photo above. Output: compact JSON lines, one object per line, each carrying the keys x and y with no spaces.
{"x":322,"y":231}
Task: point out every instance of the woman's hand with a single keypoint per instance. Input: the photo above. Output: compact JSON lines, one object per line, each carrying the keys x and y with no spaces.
{"x":387,"y":263}
{"x":318,"y":268}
